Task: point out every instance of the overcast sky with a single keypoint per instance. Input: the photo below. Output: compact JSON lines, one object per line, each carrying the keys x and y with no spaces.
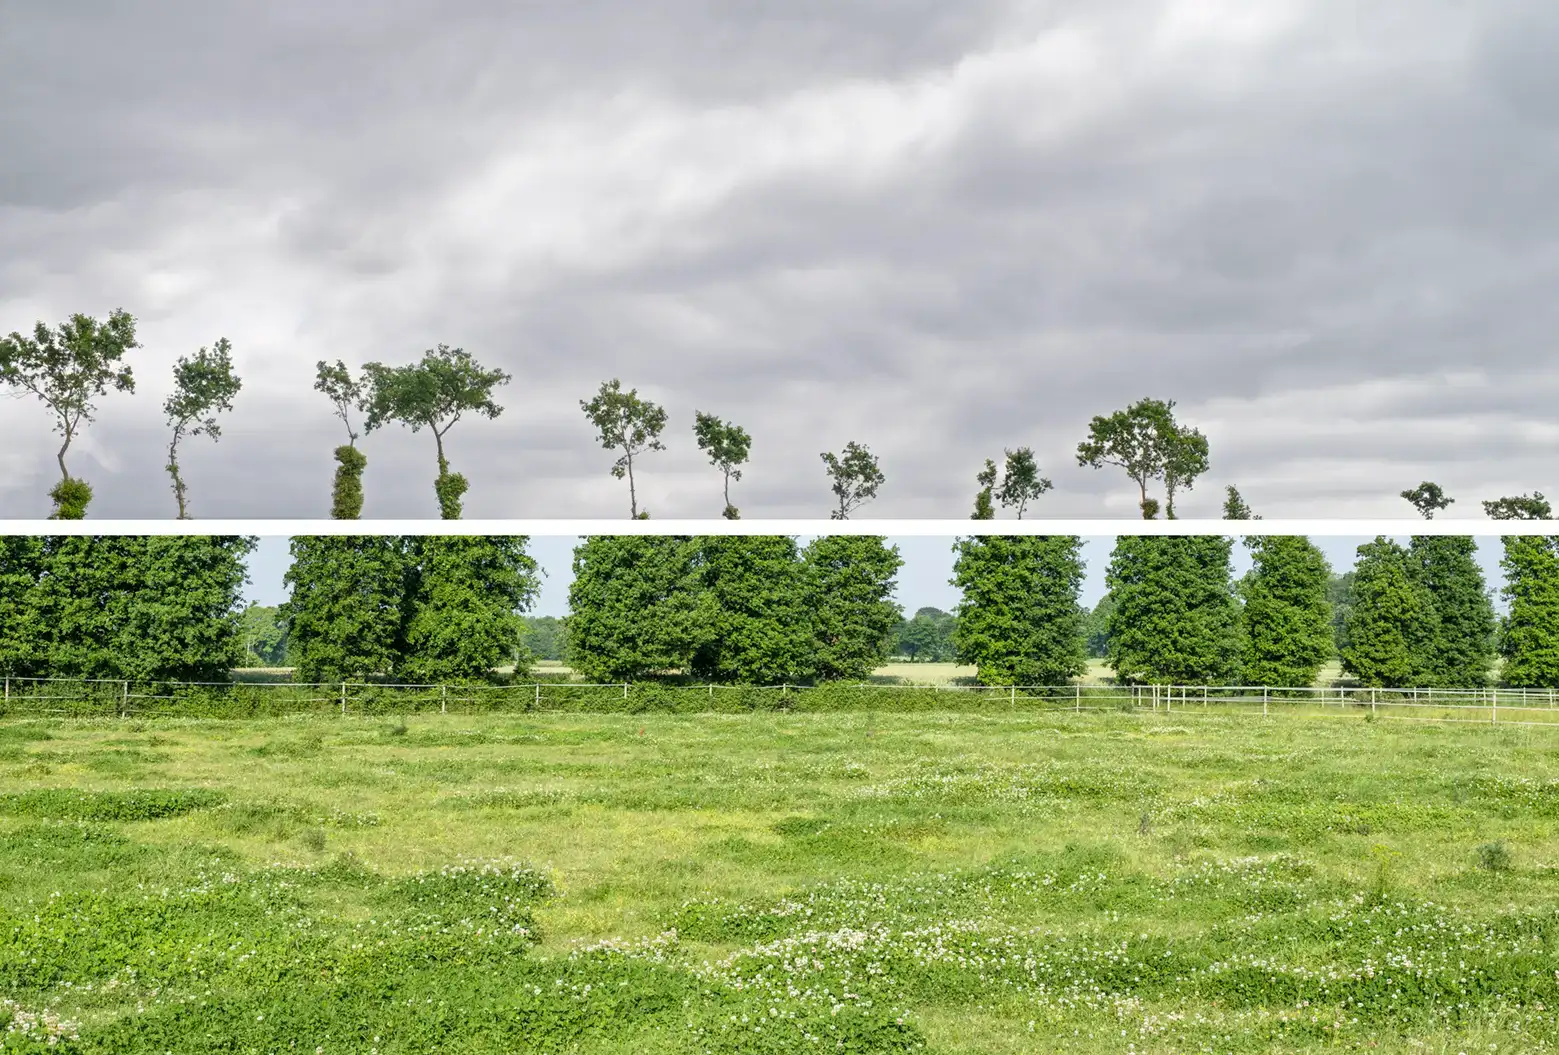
{"x":1326,"y":228}
{"x":922,"y":581}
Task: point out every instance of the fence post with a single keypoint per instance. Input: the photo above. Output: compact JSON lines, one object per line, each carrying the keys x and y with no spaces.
{"x":443,"y":699}
{"x":1372,"y":699}
{"x":625,"y":690}
{"x":124,"y":702}
{"x":1169,"y":696}
{"x":1014,"y":695}
{"x":1494,"y":706}
{"x":1263,"y":701}
{"x":538,"y":696}
{"x":1077,"y":697}
{"x":343,"y":699}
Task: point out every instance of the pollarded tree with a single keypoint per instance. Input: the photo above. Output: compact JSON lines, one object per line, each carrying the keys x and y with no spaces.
{"x":1234,"y":507}
{"x":1286,"y":615}
{"x":1519,"y":507}
{"x":629,"y":424}
{"x":1142,"y":439}
{"x":464,"y":595}
{"x":202,"y":386}
{"x":67,"y":368}
{"x":1175,"y":619}
{"x":344,"y":614}
{"x":1463,"y":647}
{"x":856,"y":477}
{"x":1391,"y":627}
{"x":633,"y":606}
{"x":986,"y":478}
{"x":346,"y":394}
{"x":1021,"y":482}
{"x":1428,"y":499}
{"x":755,"y":620}
{"x":727,"y":446}
{"x":1529,"y":638}
{"x":1019,"y":620}
{"x":434,"y":393}
{"x":1185,"y":461}
{"x":850,"y":579}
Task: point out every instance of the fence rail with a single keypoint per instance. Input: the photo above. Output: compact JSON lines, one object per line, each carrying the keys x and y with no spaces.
{"x":71,"y":697}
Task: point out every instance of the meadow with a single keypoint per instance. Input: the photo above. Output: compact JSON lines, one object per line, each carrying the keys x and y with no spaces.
{"x":1120,"y":882}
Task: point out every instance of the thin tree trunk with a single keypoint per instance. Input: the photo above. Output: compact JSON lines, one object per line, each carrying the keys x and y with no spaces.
{"x":64,"y":472}
{"x":173,"y":470}
{"x":633,"y":495}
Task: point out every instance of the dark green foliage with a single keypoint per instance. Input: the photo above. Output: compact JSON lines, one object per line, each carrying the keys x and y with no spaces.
{"x":183,"y":623}
{"x":464,"y":593}
{"x":1176,"y":619}
{"x":1463,"y":646}
{"x":1021,"y":482}
{"x":344,"y":615}
{"x":849,"y":579}
{"x":856,"y":477}
{"x":1018,"y":621}
{"x":632,"y":606}
{"x":1339,"y":594}
{"x":1096,"y":628}
{"x":1185,"y":461}
{"x":1519,"y":507}
{"x":755,"y":618}
{"x":1146,"y":441}
{"x":986,"y":478}
{"x":202,"y":386}
{"x":136,"y":804}
{"x":542,"y":636}
{"x":346,"y":495}
{"x":630,"y":424}
{"x":1529,"y":638}
{"x":1287,"y":619}
{"x":433,"y":393}
{"x":1428,"y":499}
{"x":71,"y":498}
{"x":66,"y":368}
{"x":21,"y":631}
{"x":1234,"y":507}
{"x":927,"y":637}
{"x":1391,"y":628}
{"x":727,"y":446}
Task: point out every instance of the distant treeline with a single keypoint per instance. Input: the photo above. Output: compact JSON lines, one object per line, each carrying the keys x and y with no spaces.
{"x":761,"y":610}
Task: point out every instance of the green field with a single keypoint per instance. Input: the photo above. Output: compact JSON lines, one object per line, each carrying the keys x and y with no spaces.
{"x":950,"y":882}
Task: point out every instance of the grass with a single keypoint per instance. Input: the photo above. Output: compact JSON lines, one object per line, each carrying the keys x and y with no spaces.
{"x":943,"y":882}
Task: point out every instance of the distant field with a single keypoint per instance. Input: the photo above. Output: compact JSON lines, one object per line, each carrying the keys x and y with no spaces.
{"x":1002,"y":883}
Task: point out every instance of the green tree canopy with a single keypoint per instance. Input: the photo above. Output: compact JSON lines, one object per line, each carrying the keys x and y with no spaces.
{"x":1145,"y":440}
{"x":1428,"y":499}
{"x":464,"y":596}
{"x":856,"y":477}
{"x":927,"y":637}
{"x":66,"y":368}
{"x":1234,"y":507}
{"x":1018,"y":620}
{"x":986,"y":478}
{"x":1286,"y":615}
{"x":633,"y":606}
{"x":1096,"y":628}
{"x":1391,"y":627}
{"x":203,"y":385}
{"x":1185,"y":460}
{"x":344,"y":614}
{"x":1529,"y":638}
{"x":1175,"y":618}
{"x":346,"y":394}
{"x":1339,"y":594}
{"x":543,"y":636}
{"x":629,"y":424}
{"x":850,"y":580}
{"x":434,"y":393}
{"x":728,"y":446}
{"x":1463,"y":646}
{"x":1519,"y":507}
{"x":264,"y":636}
{"x":1021,"y":482}
{"x":755,"y":621}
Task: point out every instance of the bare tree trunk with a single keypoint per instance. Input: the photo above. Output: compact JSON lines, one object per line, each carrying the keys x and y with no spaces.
{"x":173,"y":470}
{"x":633,"y":495}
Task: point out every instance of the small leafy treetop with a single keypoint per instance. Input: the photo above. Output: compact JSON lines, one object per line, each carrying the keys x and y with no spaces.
{"x":203,"y":385}
{"x":1428,"y":499}
{"x":627,"y":423}
{"x":1140,"y":439}
{"x":982,"y":499}
{"x":1185,"y":461}
{"x":1021,"y":483}
{"x":345,"y":391}
{"x":436,"y":393}
{"x":856,"y":478}
{"x":1519,"y":507}
{"x":727,"y":446}
{"x":1234,"y":507}
{"x":66,"y":367}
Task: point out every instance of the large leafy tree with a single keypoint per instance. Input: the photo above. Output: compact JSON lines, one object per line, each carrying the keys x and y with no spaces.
{"x":728,"y":446}
{"x":1428,"y":499}
{"x":756,"y":623}
{"x":434,"y":393}
{"x":627,"y":423}
{"x":850,"y":580}
{"x":1463,"y":646}
{"x":1286,"y":614}
{"x":856,"y":477}
{"x":264,"y":636}
{"x":67,"y":368}
{"x":1176,"y":619}
{"x":22,"y":630}
{"x":203,"y":385}
{"x":986,"y":478}
{"x":927,"y":637}
{"x":1529,"y":638}
{"x":344,"y":614}
{"x":81,"y":604}
{"x":346,"y":394}
{"x":1021,"y":482}
{"x":184,"y":621}
{"x":633,"y":606}
{"x":1391,"y":627}
{"x":1519,"y":507}
{"x":543,"y":636}
{"x":1145,"y":440}
{"x":1019,"y":620}
{"x":464,"y":595}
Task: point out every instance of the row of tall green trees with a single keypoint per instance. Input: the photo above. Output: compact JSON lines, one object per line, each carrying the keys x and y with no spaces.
{"x":70,"y":366}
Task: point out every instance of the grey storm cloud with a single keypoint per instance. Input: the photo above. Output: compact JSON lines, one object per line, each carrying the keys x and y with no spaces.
{"x":1325,"y":229}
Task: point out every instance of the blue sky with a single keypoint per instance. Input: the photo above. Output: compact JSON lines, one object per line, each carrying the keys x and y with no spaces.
{"x":928,"y":563}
